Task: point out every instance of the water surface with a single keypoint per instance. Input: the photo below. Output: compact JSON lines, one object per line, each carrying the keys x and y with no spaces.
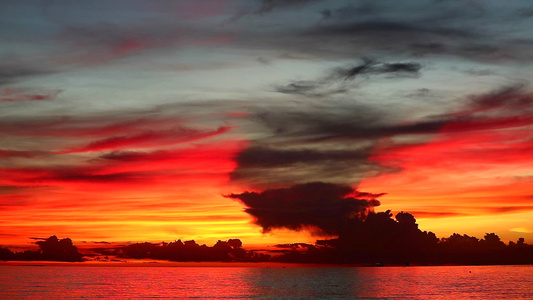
{"x":457,"y":282}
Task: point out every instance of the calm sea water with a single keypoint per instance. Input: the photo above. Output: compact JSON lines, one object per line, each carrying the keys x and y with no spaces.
{"x":458,"y":282}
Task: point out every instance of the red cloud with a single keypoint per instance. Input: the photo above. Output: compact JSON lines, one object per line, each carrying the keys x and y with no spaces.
{"x":217,"y":158}
{"x":120,"y":169}
{"x":492,"y":129}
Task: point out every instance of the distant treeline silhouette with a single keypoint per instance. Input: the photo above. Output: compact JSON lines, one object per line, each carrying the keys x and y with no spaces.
{"x":378,"y":238}
{"x":229,"y":251}
{"x":50,"y":249}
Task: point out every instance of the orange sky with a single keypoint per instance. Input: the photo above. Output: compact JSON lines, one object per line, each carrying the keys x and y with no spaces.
{"x":178,"y":193}
{"x":467,"y":183}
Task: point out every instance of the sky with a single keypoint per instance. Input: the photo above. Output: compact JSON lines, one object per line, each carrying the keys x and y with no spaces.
{"x":149,"y":120}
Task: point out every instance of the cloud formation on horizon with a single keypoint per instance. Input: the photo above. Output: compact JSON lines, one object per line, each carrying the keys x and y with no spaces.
{"x":322,"y":208}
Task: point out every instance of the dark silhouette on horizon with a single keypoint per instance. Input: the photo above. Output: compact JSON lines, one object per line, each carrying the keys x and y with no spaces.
{"x":382,"y":239}
{"x":378,"y":239}
{"x":50,"y":249}
{"x":362,"y":236}
{"x":224,"y":251}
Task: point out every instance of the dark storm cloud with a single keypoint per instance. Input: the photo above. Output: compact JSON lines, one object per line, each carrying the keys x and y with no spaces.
{"x":268,"y":166}
{"x":363,"y":38}
{"x":353,"y":130}
{"x":315,"y":141}
{"x":321,"y":143}
{"x":372,"y":28}
{"x":320,"y":207}
{"x":354,"y":122}
{"x":337,"y":81}
{"x":360,"y":122}
{"x":410,"y":37}
{"x":337,"y":171}
{"x":268,"y":157}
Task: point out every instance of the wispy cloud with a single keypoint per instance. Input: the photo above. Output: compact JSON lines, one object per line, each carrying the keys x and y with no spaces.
{"x":339,"y":80}
{"x":148,"y":139}
{"x":14,"y":95}
{"x":16,"y":69}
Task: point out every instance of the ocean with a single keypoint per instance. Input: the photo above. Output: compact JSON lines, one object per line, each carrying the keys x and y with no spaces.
{"x":130,"y":282}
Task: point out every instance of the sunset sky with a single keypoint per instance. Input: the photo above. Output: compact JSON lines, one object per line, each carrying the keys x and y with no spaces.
{"x":134,"y":120}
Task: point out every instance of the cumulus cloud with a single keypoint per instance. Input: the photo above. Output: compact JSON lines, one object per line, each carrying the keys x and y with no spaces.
{"x":321,"y":207}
